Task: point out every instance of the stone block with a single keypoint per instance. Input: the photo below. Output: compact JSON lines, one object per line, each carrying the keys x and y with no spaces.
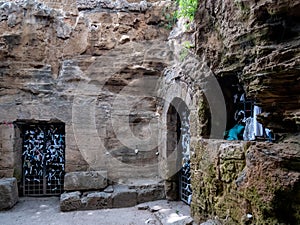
{"x":6,"y":132}
{"x":92,"y":180}
{"x":124,"y":197}
{"x":6,"y":159}
{"x":235,"y":151}
{"x":97,"y":200}
{"x":150,"y":194}
{"x":171,"y":190}
{"x":70,"y":201}
{"x":148,"y":191}
{"x":8,"y":193}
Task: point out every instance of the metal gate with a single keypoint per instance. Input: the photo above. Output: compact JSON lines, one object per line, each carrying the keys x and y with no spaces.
{"x":43,"y":159}
{"x":185,"y":190}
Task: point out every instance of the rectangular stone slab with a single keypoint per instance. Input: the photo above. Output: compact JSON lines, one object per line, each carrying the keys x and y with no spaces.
{"x":92,"y":180}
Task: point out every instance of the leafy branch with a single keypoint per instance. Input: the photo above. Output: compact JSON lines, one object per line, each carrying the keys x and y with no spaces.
{"x":187,"y":9}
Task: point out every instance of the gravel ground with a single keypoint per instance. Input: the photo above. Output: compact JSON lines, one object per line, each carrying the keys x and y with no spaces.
{"x":45,"y":211}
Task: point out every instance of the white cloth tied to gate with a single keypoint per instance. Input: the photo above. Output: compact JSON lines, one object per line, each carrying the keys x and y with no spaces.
{"x":252,"y":127}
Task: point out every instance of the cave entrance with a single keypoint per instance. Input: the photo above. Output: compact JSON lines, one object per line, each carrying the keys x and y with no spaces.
{"x":242,"y":113}
{"x":43,"y":158}
{"x":178,"y":148}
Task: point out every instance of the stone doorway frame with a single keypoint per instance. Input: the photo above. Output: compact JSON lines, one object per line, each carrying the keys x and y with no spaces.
{"x":167,"y":161}
{"x":18,"y":146}
{"x":177,"y":113}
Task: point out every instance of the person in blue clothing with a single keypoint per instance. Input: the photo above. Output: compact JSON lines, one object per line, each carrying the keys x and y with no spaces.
{"x":236,"y":132}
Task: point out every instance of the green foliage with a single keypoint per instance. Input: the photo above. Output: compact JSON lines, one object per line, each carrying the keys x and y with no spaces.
{"x":171,"y":18}
{"x":186,"y":46}
{"x":187,"y":8}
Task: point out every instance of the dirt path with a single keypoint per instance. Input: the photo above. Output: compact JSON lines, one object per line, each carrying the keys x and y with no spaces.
{"x":45,"y":211}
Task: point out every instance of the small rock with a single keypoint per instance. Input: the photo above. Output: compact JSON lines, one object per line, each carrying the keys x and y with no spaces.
{"x":109,"y":189}
{"x":150,"y":221}
{"x":143,"y":6}
{"x":155,"y":208}
{"x":124,"y":39}
{"x":142,"y":207}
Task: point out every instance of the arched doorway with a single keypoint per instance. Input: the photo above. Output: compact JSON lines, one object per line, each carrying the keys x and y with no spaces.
{"x":178,"y":151}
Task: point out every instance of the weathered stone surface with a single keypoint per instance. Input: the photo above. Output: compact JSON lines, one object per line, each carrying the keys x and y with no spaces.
{"x":114,"y":196}
{"x":168,"y":216}
{"x":171,"y":189}
{"x":258,"y":44}
{"x":92,"y":180}
{"x":8,"y":193}
{"x":96,"y":200}
{"x":10,"y":150}
{"x":150,"y":193}
{"x":109,"y":189}
{"x":53,"y":57}
{"x":211,"y":222}
{"x":70,"y":201}
{"x":122,"y":5}
{"x":124,"y":197}
{"x":146,"y":195}
{"x":246,"y":183}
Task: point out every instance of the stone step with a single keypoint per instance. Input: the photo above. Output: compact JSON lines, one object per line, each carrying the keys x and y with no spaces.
{"x":114,"y":196}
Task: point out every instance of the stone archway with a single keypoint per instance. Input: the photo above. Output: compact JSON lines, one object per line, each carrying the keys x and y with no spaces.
{"x":177,"y":184}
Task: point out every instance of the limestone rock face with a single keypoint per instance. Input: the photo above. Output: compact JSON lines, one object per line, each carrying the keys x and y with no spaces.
{"x":246,"y":183}
{"x":84,"y":63}
{"x":256,"y":42}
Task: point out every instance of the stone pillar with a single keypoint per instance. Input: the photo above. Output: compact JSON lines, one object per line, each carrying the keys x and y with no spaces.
{"x":7,"y":156}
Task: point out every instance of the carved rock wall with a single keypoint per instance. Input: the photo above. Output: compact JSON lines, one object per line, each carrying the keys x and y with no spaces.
{"x":69,"y":61}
